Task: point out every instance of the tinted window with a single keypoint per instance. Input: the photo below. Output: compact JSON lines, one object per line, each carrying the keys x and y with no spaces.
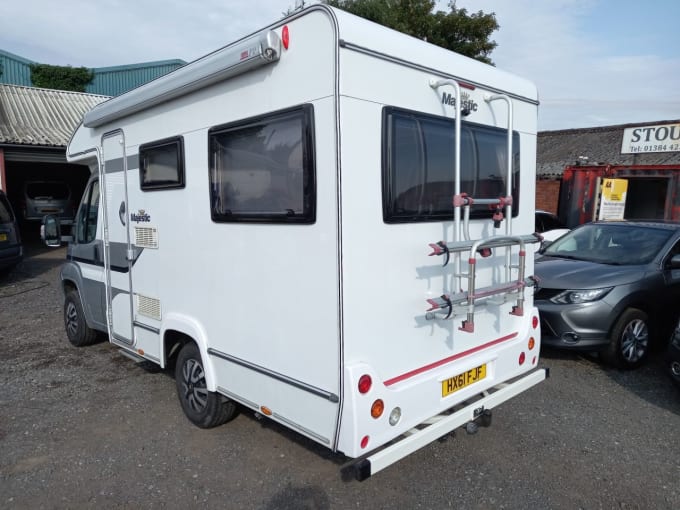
{"x":161,"y":165}
{"x":546,"y":221}
{"x":87,"y":215}
{"x":611,"y":244}
{"x":6,"y":215}
{"x":51,"y":190}
{"x":263,"y":169}
{"x":418,"y":173}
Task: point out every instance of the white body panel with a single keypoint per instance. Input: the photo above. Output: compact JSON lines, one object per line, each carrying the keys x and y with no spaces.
{"x":288,"y":317}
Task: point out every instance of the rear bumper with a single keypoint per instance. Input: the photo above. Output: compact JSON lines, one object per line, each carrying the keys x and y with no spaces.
{"x":443,"y":424}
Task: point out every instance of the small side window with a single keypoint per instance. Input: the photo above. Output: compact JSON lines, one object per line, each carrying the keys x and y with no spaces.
{"x":86,"y":229}
{"x":161,"y":165}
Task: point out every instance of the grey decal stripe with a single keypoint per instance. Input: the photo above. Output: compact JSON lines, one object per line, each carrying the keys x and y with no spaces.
{"x":396,"y":60}
{"x":305,"y":430}
{"x":116,"y":164}
{"x":332,"y":397}
{"x":233,"y":396}
{"x":113,"y":165}
{"x":146,"y":327}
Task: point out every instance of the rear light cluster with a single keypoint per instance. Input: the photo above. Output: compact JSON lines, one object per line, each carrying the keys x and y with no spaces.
{"x":530,"y":344}
{"x":377,"y":407}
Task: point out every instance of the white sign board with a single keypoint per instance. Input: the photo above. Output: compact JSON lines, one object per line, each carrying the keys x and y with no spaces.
{"x":661,"y":138}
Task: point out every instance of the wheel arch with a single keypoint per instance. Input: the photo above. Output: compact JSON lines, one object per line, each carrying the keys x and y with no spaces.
{"x":180,"y":329}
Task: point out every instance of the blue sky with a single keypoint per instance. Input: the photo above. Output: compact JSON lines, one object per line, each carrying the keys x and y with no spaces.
{"x":595,"y":62}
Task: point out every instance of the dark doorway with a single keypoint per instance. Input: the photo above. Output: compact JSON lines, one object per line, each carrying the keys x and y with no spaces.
{"x":646,"y":199}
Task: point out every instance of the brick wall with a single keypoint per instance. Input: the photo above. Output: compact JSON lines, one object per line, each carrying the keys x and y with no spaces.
{"x":547,"y":195}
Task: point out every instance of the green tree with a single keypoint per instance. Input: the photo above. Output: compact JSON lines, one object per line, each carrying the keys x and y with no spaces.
{"x":455,"y":29}
{"x":61,"y":77}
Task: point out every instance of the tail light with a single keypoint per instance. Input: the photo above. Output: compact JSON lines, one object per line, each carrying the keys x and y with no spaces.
{"x":365,"y":383}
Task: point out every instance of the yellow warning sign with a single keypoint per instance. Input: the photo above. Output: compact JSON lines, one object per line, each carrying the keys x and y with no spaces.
{"x":613,"y":200}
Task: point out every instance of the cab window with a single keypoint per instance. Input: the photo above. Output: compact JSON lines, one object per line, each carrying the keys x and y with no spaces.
{"x":86,"y":227}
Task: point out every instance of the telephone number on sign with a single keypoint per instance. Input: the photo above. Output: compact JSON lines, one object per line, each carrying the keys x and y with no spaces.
{"x":662,"y":147}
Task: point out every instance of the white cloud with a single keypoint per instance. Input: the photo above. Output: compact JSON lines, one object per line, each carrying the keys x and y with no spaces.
{"x":584,"y":78}
{"x":580,"y":83}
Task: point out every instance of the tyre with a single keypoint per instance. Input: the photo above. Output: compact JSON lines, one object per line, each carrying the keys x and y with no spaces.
{"x":205,"y":409}
{"x":77,"y":330}
{"x":630,"y":340}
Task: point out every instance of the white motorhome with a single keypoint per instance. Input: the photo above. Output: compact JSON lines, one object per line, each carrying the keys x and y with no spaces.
{"x":261,"y":220}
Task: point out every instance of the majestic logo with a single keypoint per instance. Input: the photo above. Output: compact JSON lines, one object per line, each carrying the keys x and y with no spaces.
{"x":467,"y":104}
{"x":140,"y":217}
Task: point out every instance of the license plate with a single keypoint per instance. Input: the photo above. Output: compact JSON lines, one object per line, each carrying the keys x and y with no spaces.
{"x":3,"y":237}
{"x":460,"y":381}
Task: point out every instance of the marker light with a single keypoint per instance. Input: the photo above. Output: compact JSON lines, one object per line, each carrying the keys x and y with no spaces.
{"x":534,"y":322}
{"x":377,"y":408}
{"x":364,"y":441}
{"x":365,"y":384}
{"x":285,"y":37}
{"x":266,"y":411}
{"x":532,"y":343}
{"x":522,"y":358}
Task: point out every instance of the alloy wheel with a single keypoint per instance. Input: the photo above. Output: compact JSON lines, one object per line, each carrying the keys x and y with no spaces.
{"x":634,"y":341}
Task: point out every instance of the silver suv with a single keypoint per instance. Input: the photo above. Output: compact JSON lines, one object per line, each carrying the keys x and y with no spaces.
{"x":48,"y":197}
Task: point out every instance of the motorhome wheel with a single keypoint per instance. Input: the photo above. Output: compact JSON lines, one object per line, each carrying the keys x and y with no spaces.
{"x":77,"y":330}
{"x":204,"y":408}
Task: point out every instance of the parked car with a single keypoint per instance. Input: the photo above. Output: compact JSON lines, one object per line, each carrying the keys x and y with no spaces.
{"x":47,"y":197}
{"x":673,"y":355}
{"x":549,"y":226}
{"x":611,"y":287}
{"x":11,"y":251}
{"x":547,"y":221}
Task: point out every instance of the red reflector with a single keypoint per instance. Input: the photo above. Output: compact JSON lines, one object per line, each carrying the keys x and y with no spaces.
{"x":533,"y":361}
{"x":364,"y":441}
{"x":285,"y":37}
{"x":522,"y":358}
{"x":365,"y":383}
{"x":534,"y":322}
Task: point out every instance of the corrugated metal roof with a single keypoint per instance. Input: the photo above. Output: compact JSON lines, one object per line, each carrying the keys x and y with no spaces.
{"x":45,"y":117}
{"x":601,"y":145}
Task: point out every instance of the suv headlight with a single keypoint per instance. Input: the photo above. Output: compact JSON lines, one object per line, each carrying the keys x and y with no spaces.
{"x":570,"y":297}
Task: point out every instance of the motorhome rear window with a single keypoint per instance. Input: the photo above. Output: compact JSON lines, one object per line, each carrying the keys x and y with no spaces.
{"x":262,"y":169}
{"x":161,"y":164}
{"x":418,"y":167}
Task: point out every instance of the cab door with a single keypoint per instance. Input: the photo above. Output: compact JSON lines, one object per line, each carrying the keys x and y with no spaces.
{"x":87,"y":251}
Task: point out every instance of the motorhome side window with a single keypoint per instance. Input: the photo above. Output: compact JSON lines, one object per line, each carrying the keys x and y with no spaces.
{"x":418,"y":168}
{"x":161,"y":165}
{"x":87,"y":215}
{"x":262,"y":170}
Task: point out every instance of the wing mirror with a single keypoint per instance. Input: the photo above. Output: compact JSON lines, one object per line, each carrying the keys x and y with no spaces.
{"x":50,"y":231}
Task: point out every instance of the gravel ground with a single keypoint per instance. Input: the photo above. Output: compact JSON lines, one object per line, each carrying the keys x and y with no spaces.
{"x":85,"y":428}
